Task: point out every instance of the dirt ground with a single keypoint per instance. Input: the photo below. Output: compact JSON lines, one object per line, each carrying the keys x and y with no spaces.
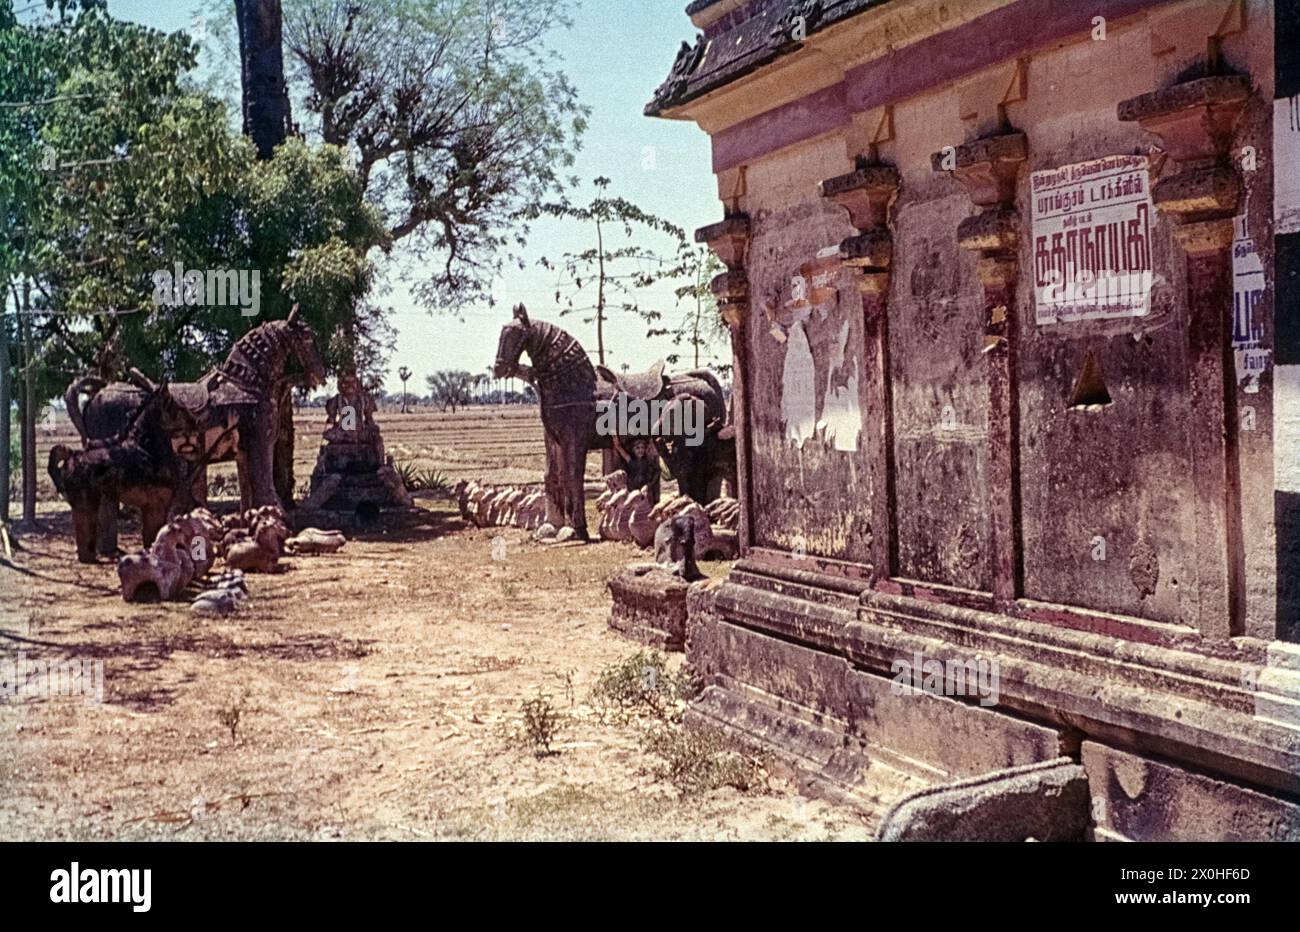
{"x":371,"y":694}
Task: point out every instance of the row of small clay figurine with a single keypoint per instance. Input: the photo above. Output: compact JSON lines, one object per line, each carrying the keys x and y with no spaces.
{"x":624,"y":515}
{"x":187,"y":548}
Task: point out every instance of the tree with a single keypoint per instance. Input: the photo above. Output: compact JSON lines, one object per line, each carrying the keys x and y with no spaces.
{"x":113,"y":168}
{"x":614,"y":274}
{"x":79,"y":83}
{"x":404,"y":373}
{"x":702,"y":326}
{"x":261,"y":59}
{"x":450,"y":388}
{"x":455,"y":113}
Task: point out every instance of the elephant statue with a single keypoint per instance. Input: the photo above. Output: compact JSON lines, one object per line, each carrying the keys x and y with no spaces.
{"x":575,"y":396}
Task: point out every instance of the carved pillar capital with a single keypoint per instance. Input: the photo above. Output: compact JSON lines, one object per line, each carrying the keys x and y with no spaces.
{"x":1195,"y":121}
{"x":729,"y":240}
{"x":987,"y":167}
{"x":867,"y":193}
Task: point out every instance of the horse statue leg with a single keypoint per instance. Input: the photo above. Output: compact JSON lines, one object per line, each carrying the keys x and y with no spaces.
{"x":551,"y":483}
{"x":245,"y":486}
{"x":575,"y":455}
{"x":261,"y":454}
{"x":283,"y":469}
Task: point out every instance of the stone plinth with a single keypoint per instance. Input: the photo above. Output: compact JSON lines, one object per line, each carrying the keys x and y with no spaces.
{"x":649,"y":606}
{"x":354,"y":485}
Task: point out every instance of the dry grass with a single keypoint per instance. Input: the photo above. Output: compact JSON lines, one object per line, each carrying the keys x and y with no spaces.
{"x":377,"y":691}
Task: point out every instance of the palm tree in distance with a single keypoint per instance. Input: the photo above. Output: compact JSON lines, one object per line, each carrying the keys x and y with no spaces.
{"x":404,"y":373}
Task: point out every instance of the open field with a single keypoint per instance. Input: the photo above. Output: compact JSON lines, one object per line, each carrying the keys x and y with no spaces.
{"x":376,"y":693}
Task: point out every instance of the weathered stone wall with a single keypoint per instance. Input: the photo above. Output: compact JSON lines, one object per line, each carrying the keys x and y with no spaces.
{"x":812,"y":482}
{"x":937,"y":371}
{"x":1119,"y":475}
{"x":1115,"y":559}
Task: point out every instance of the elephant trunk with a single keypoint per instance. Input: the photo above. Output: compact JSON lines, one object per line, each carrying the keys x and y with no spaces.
{"x":59,"y":455}
{"x":72,"y":400}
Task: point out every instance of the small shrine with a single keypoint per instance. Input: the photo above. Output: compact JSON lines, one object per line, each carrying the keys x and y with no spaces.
{"x":354,"y":479}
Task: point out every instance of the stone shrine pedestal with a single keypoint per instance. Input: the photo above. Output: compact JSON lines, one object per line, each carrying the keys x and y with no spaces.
{"x":354,"y":484}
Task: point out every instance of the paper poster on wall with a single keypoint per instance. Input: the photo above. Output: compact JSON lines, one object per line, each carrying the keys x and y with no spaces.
{"x":841,"y":420}
{"x":1286,"y":159}
{"x":1091,"y":228}
{"x":798,"y":388}
{"x":1247,"y":287}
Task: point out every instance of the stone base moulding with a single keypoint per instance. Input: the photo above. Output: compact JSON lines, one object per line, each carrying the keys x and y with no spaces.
{"x":804,"y":671}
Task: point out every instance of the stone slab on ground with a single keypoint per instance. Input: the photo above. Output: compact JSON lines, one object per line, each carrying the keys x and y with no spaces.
{"x":1046,"y":801}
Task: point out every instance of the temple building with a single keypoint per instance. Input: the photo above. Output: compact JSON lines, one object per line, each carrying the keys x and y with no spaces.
{"x":1018,"y":407}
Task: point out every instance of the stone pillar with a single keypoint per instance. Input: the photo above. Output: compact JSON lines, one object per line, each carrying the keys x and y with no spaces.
{"x":867,"y":195}
{"x":729,"y":239}
{"x":987,"y":169}
{"x":1195,"y":121}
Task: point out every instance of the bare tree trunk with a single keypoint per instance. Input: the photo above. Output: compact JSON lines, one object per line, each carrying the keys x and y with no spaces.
{"x":29,"y":409}
{"x":261,"y":56}
{"x":5,"y":399}
{"x":695,"y":335}
{"x":267,"y":121}
{"x":600,"y":296}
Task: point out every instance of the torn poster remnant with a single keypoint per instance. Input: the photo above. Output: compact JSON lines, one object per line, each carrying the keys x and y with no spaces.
{"x":1252,"y":358}
{"x":798,"y":387}
{"x":841,"y":421}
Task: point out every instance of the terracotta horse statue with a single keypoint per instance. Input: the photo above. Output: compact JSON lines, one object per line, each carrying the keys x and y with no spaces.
{"x":137,"y":467}
{"x":570,"y":389}
{"x":238,"y":410}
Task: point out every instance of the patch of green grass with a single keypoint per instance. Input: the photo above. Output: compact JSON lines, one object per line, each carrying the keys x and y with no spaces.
{"x":555,"y":802}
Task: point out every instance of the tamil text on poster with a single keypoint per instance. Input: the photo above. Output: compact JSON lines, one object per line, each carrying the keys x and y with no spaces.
{"x":1091,"y":225}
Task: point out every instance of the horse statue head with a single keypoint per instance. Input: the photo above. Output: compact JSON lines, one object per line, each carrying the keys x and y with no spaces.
{"x":304,"y":350}
{"x":512,"y":343}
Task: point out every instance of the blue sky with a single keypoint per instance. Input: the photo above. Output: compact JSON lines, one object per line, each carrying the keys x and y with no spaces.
{"x":616,"y":53}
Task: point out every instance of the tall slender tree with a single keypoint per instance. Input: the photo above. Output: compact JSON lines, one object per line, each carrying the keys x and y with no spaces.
{"x":261,"y":67}
{"x":610,"y":274}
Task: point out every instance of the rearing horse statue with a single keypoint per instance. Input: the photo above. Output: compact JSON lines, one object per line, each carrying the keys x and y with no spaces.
{"x":570,"y":389}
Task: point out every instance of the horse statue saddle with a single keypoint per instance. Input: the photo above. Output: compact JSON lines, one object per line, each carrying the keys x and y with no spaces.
{"x":227,"y":392}
{"x":191,"y":397}
{"x":641,"y":386}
